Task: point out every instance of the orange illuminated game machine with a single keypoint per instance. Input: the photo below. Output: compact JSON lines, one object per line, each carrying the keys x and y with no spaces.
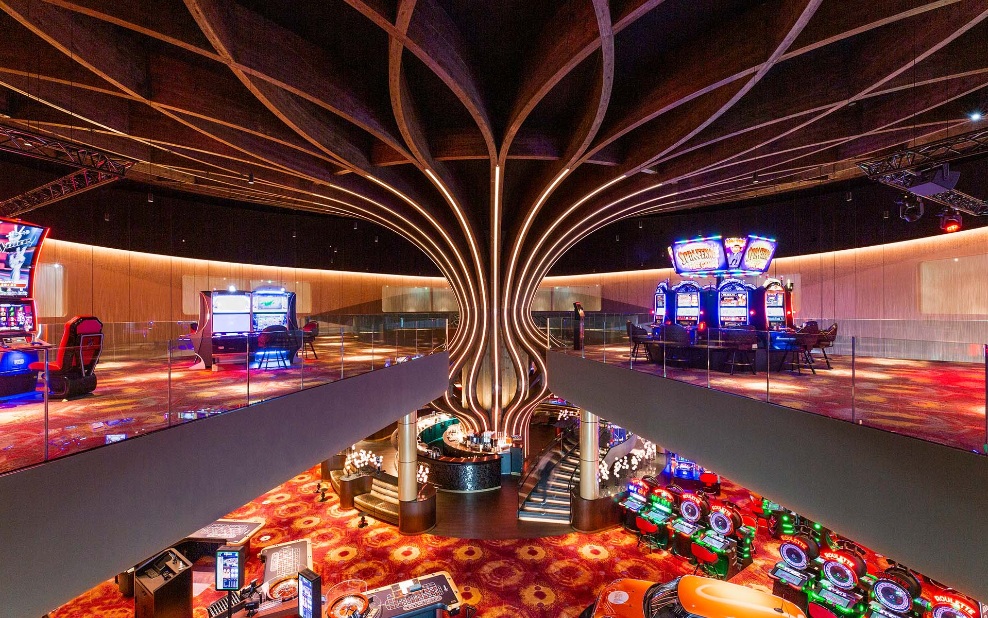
{"x":684,"y":596}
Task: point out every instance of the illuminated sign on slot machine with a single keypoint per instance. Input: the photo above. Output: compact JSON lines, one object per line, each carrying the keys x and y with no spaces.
{"x":699,"y":255}
{"x":19,"y":243}
{"x":951,"y":606}
{"x":759,"y":254}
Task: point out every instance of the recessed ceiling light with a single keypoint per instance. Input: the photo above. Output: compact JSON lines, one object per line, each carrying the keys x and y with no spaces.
{"x":975,"y":116}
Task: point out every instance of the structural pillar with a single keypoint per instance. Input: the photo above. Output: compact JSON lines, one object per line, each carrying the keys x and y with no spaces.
{"x":589,"y":455}
{"x":416,"y":513}
{"x":407,"y":458}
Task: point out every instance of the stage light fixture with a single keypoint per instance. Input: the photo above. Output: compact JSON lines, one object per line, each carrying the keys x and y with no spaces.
{"x":975,"y":116}
{"x":951,"y":221}
{"x":910,"y":208}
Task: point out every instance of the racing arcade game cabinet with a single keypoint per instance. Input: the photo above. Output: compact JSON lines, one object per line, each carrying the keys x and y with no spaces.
{"x":20,"y":247}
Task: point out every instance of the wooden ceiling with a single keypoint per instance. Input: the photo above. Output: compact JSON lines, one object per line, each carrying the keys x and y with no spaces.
{"x":493,"y":135}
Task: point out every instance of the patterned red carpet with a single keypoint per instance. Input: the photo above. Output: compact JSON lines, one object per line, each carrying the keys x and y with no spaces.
{"x":527,"y":578}
{"x":942,"y":402}
{"x":138,"y":392}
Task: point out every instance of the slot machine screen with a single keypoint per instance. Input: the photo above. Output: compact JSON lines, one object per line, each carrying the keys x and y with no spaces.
{"x":231,"y":322}
{"x":688,"y":304}
{"x":733,"y":307}
{"x":19,"y":249}
{"x":775,"y":305}
{"x":660,"y":303}
{"x":263,"y":320}
{"x":270,"y":302}
{"x":679,"y":467}
{"x":231,"y":303}
{"x":17,"y":316}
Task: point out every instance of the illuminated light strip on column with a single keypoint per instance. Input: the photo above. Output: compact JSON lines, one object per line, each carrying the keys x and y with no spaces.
{"x":495,"y":322}
{"x":458,"y":359}
{"x":468,"y":317}
{"x":475,"y":364}
{"x":515,"y":302}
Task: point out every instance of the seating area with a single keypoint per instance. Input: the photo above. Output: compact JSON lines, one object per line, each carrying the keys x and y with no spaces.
{"x":381,"y":502}
{"x":731,"y":349}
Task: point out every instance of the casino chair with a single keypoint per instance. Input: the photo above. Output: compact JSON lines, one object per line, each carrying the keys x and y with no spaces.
{"x":72,"y":371}
{"x":705,"y":559}
{"x":272,"y":343}
{"x":309,"y":333}
{"x":739,"y":342}
{"x":677,"y":344}
{"x":646,"y":534}
{"x":826,"y":340}
{"x":798,"y":346}
{"x":639,"y":338}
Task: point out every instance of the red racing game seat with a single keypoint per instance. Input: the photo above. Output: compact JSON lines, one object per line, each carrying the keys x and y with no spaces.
{"x":71,"y":370}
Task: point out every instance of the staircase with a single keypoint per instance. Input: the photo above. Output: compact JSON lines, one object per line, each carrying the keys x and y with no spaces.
{"x":554,"y":505}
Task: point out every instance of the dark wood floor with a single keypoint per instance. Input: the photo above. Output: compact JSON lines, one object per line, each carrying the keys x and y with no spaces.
{"x":488,"y":515}
{"x":485,"y":515}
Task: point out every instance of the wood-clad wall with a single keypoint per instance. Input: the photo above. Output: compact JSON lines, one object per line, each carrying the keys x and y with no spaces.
{"x":934,"y":288}
{"x":126,"y":286}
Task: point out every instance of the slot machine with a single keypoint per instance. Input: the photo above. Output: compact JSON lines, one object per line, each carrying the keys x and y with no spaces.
{"x":799,"y":567}
{"x":637,"y":492}
{"x":663,"y":507}
{"x":733,"y":304}
{"x":728,"y":539}
{"x":660,"y":305}
{"x":693,"y":511}
{"x":272,"y":307}
{"x":838,"y":586}
{"x":946,"y":603}
{"x":773,"y":306}
{"x":686,"y":304}
{"x":20,"y":248}
{"x":896,"y":593}
{"x":224,"y":325}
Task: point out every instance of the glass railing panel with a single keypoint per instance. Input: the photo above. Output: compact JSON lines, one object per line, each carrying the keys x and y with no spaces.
{"x":275,"y":365}
{"x":23,"y":410}
{"x":198,"y":391}
{"x":933,"y":390}
{"x":99,"y":395}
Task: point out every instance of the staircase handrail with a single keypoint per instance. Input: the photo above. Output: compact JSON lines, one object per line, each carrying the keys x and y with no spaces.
{"x":530,"y":480}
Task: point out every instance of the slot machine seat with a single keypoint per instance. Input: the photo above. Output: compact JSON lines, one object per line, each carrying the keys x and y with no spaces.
{"x":639,"y":338}
{"x":797,"y":348}
{"x":705,"y":558}
{"x":676,"y":340}
{"x":273,"y":344}
{"x":826,"y":340}
{"x":73,"y":369}
{"x":646,"y":533}
{"x":309,"y":333}
{"x":739,"y":342}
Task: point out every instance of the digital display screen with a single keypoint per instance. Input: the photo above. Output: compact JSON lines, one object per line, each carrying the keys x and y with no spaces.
{"x":759,"y":254}
{"x":305,"y":597}
{"x":682,"y":468}
{"x":688,"y":299}
{"x":231,"y":322}
{"x":231,"y":303}
{"x":228,"y":575}
{"x":263,"y":320}
{"x":17,"y":316}
{"x":733,"y":299}
{"x":660,"y":301}
{"x":270,"y":302}
{"x":715,"y":255}
{"x":19,"y":248}
{"x":775,"y":299}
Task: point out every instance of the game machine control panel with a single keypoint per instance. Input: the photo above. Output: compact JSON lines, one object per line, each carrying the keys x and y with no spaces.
{"x":729,"y":539}
{"x":663,"y":507}
{"x":636,"y":500}
{"x":693,"y":511}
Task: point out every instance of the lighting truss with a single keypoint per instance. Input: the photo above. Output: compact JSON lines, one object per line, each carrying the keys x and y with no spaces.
{"x":58,"y":151}
{"x":76,"y":182}
{"x":905,"y":168}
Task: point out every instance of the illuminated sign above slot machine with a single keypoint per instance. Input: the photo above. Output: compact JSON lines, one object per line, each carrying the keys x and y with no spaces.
{"x":20,"y":244}
{"x":716,"y":255}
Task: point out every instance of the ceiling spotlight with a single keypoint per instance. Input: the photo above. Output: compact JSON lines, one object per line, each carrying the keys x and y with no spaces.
{"x":951,"y":221}
{"x":848,"y":197}
{"x":250,"y":178}
{"x":754,"y":178}
{"x":150,"y":198}
{"x":975,"y":116}
{"x":910,"y":208}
